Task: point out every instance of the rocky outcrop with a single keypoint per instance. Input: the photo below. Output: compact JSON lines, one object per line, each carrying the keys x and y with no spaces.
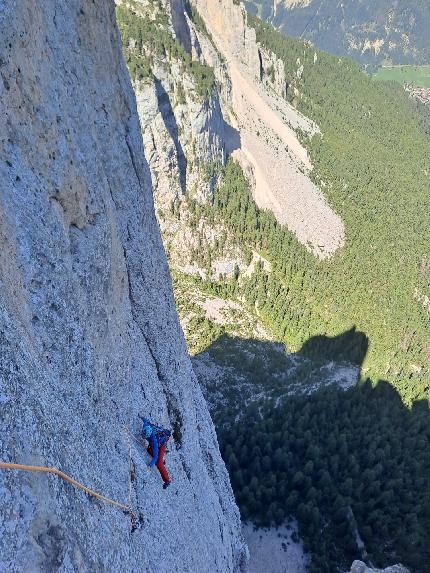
{"x":184,"y":138}
{"x":206,"y":52}
{"x":183,"y":128}
{"x":360,"y":567}
{"x":272,"y":72}
{"x":89,"y":336}
{"x":229,"y":22}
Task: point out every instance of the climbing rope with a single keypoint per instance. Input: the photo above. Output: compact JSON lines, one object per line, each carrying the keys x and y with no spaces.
{"x":133,"y":437}
{"x":73,"y":482}
{"x":135,"y":520}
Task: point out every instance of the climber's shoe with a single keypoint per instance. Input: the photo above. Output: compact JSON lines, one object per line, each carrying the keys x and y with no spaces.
{"x":166,"y":484}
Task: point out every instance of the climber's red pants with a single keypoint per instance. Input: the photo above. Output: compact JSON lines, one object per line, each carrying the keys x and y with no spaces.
{"x":160,"y":461}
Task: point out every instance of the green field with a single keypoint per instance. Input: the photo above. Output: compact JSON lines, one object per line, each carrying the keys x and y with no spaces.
{"x":417,"y":75}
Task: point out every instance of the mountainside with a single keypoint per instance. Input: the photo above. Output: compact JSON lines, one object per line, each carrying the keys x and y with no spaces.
{"x":211,"y":107}
{"x":89,"y":335}
{"x":262,"y":122}
{"x":373,"y":33}
{"x":355,"y":207}
{"x":360,"y":162}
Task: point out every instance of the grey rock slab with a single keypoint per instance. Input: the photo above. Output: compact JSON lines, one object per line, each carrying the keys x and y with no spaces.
{"x":89,"y":336}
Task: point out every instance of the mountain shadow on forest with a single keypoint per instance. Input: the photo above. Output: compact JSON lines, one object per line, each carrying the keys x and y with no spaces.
{"x":350,"y":465}
{"x":349,"y":346}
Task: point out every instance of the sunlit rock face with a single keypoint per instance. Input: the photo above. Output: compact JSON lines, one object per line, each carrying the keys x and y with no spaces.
{"x":228,"y":22}
{"x":89,"y":336}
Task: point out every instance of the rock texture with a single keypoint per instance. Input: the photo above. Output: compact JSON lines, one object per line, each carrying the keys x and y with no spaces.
{"x":89,"y":336}
{"x":228,"y":21}
{"x":275,"y":550}
{"x":192,"y":133}
{"x":183,"y":130}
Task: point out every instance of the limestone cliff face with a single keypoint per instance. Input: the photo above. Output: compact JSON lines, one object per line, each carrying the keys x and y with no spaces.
{"x":229,"y":22}
{"x":182,"y":122}
{"x":185,"y":134}
{"x":192,"y":131}
{"x":89,"y":336}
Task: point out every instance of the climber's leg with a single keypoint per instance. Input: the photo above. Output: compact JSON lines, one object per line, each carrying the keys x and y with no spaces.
{"x":160,"y":464}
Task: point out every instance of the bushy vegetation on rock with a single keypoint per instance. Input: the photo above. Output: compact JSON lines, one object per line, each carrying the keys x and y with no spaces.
{"x":145,"y":39}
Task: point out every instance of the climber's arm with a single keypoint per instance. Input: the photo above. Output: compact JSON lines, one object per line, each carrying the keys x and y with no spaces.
{"x":154,"y":447}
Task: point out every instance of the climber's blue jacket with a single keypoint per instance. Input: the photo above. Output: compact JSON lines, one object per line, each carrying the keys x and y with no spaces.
{"x":157,"y":438}
{"x":149,"y":434}
{"x":154,"y":446}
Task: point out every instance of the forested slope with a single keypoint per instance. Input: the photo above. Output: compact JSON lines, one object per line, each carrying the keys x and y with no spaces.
{"x":351,"y":467}
{"x":348,"y":464}
{"x":372,"y":162}
{"x":370,"y":32}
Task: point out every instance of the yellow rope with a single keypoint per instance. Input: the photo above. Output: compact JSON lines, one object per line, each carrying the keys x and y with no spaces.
{"x":65,"y":477}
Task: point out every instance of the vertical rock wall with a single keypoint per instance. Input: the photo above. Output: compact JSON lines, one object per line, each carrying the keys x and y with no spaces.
{"x":229,"y":23}
{"x":89,"y":336}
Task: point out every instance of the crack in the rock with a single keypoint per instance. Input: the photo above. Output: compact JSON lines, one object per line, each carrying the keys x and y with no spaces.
{"x":173,"y":410}
{"x":133,"y":161}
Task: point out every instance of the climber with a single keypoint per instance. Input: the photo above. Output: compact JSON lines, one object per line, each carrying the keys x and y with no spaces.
{"x":157,"y":439}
